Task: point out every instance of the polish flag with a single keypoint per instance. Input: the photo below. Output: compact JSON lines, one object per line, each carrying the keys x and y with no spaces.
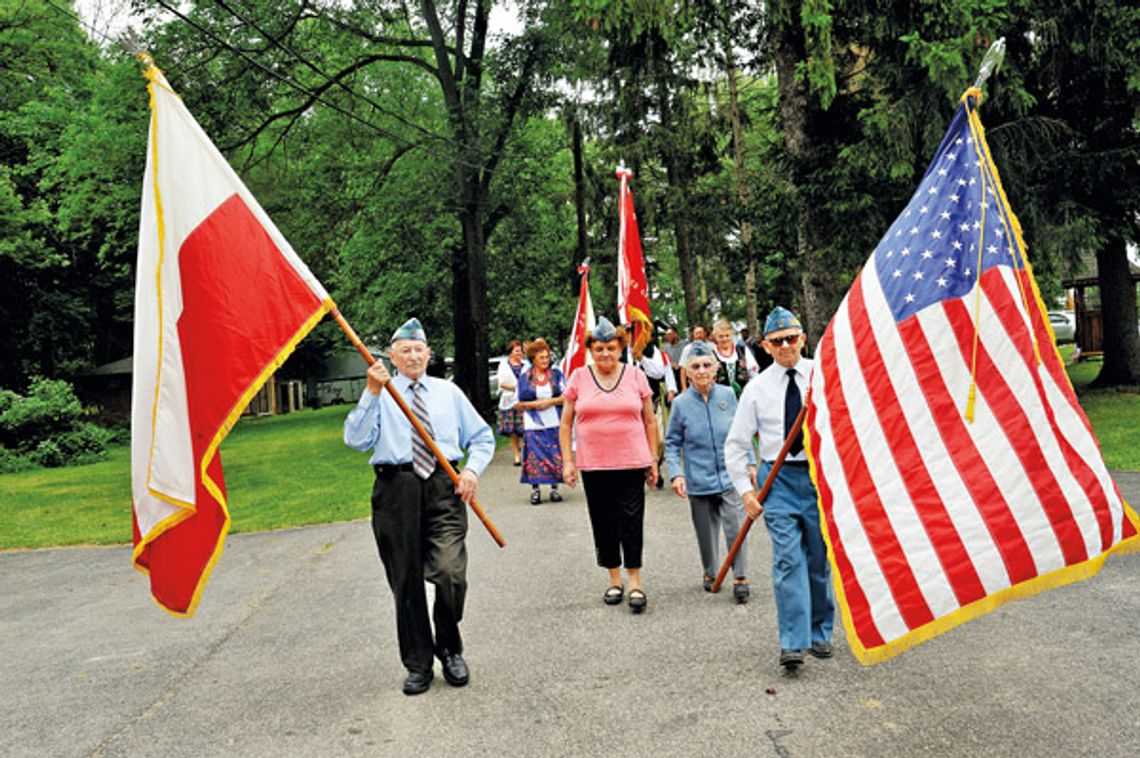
{"x":633,"y":287}
{"x":221,"y":300}
{"x":576,"y":353}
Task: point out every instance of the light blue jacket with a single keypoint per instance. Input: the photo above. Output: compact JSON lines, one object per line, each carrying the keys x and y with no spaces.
{"x":697,"y":429}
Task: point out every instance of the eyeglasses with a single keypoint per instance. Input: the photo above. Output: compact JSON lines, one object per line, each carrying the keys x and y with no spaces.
{"x":786,"y":340}
{"x":695,"y":366}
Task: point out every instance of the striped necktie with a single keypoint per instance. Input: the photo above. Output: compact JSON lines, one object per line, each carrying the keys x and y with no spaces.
{"x":423,"y":462}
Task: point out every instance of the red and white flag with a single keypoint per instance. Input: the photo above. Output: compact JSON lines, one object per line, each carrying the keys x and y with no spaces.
{"x":576,"y":353}
{"x":955,"y":467}
{"x":633,"y":287}
{"x":221,"y":300}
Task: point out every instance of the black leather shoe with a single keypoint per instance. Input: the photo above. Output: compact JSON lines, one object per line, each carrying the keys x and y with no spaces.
{"x":740,"y":592}
{"x":417,"y":682}
{"x":535,"y":497}
{"x":454,"y":669}
{"x":791,"y":659}
{"x":820,"y":649}
{"x":555,"y":496}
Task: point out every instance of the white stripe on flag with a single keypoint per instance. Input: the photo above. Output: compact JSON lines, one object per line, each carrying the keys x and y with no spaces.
{"x":889,"y":482}
{"x":989,"y":437}
{"x":998,"y":342}
{"x":868,"y":573}
{"x":964,"y":514}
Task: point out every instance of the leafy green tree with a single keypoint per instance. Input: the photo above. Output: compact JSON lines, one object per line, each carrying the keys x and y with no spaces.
{"x":69,"y":133}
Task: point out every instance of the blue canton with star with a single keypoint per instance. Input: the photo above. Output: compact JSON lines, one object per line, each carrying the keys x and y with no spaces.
{"x":930,"y":253}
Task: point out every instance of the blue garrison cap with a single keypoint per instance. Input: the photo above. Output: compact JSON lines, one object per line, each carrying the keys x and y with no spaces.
{"x":604,"y":330}
{"x":781,"y":318}
{"x":411,"y":330}
{"x":700,"y":349}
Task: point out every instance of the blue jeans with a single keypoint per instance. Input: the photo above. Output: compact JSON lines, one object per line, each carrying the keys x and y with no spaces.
{"x":801,"y":574}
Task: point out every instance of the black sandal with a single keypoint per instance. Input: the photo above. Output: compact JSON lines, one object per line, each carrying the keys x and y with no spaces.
{"x":613,"y":595}
{"x":637,"y":601}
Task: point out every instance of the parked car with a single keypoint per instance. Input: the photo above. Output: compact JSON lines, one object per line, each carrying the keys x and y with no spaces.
{"x":492,"y":371}
{"x":1064,"y":325}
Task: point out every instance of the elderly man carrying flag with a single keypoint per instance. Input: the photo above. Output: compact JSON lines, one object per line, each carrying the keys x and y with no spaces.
{"x":769,"y":407}
{"x":418,"y":518}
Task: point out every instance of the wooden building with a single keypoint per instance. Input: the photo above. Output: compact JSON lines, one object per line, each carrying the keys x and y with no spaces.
{"x":1086,"y":305}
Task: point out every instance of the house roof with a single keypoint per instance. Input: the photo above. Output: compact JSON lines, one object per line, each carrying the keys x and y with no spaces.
{"x":1084,"y":274}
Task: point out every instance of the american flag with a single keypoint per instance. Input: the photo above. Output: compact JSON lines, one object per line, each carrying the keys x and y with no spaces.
{"x":937,"y":507}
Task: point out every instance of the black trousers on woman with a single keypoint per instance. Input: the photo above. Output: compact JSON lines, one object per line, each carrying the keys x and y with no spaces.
{"x":420,"y":526}
{"x":616,"y":501}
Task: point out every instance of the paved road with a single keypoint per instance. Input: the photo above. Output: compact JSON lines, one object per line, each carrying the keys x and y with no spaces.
{"x":293,"y":652}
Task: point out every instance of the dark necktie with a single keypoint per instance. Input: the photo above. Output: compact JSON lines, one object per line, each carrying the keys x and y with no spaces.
{"x":792,"y":405}
{"x":423,"y":462}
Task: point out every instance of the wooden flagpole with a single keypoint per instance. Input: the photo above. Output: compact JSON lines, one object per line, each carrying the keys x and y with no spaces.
{"x":768,"y":482}
{"x":446,"y":464}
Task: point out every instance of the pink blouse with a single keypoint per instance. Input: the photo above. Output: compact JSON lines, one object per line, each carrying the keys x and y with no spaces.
{"x":611,"y":432}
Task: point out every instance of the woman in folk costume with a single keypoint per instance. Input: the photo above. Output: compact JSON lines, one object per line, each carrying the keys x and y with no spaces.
{"x":510,"y":417}
{"x":540,"y":391}
{"x":737,"y":365}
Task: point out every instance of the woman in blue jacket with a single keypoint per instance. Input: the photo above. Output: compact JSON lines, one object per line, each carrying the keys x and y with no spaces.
{"x":698,"y":425}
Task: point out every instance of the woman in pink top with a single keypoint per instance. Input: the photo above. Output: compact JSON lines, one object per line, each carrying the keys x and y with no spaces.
{"x":616,"y":453}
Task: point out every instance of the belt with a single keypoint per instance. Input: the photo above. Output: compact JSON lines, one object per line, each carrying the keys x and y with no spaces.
{"x":793,"y":464}
{"x":388,"y":469}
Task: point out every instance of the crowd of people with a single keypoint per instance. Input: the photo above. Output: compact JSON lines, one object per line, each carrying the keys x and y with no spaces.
{"x":708,"y":415}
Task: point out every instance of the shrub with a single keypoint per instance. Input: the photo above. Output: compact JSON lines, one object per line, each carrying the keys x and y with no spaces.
{"x":11,"y":461}
{"x":47,"y":427}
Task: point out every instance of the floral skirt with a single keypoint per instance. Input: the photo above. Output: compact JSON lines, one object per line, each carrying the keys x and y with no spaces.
{"x":542,"y":457}
{"x":510,"y":421}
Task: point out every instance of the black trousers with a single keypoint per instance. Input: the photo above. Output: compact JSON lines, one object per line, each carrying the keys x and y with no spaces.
{"x":420,"y":526}
{"x":616,"y":502}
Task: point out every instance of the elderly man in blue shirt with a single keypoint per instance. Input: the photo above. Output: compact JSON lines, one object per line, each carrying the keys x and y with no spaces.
{"x":769,"y":406}
{"x":698,"y":426}
{"x":419,"y":517}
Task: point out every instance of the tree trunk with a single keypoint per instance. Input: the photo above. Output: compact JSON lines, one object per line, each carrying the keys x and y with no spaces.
{"x":741,"y":190}
{"x":1118,"y":311}
{"x":797,"y":113}
{"x":678,"y":181}
{"x":579,"y":203}
{"x":470,"y":319}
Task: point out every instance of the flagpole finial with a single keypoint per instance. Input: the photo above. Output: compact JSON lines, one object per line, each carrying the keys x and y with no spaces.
{"x":622,"y":172}
{"x":991,"y":62}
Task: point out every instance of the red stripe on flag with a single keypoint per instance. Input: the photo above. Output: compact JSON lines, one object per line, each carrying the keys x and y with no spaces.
{"x":1018,"y":431}
{"x":972,"y":468}
{"x":1061,"y":378}
{"x":1009,"y":312}
{"x":1050,"y":358}
{"x":928,"y":505}
{"x":868,"y":506}
{"x":242,"y":302}
{"x":242,"y":305}
{"x":857,"y":605}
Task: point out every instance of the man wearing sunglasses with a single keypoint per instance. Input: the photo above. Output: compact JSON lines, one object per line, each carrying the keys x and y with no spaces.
{"x":768,"y":408}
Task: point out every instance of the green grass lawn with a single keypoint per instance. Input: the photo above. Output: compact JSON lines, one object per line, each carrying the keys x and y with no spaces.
{"x":280,"y":471}
{"x":293,"y":470}
{"x":1114,"y":414}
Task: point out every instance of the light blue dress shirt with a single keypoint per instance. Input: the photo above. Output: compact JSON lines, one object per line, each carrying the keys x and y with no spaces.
{"x":378,"y":422}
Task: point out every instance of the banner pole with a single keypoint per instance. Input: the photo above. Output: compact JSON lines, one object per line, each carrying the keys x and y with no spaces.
{"x":446,"y":464}
{"x":768,"y":482}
